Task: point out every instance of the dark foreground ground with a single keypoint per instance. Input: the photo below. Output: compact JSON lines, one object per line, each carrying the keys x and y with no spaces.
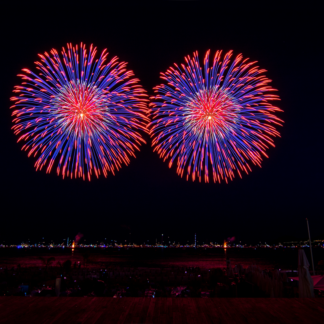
{"x":160,"y":310}
{"x":151,"y":273}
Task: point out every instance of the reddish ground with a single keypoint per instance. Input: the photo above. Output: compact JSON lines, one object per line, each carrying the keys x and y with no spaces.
{"x":161,"y":310}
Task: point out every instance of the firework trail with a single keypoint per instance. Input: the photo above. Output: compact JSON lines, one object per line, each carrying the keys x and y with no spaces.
{"x":80,"y":112}
{"x":217,"y":120}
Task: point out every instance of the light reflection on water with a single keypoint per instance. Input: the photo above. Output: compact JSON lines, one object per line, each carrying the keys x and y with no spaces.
{"x":214,"y":258}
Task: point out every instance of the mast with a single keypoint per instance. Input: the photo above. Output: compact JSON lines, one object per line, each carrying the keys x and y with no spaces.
{"x":310,"y":246}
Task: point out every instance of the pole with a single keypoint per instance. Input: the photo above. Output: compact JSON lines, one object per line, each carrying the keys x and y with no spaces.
{"x":310,"y":246}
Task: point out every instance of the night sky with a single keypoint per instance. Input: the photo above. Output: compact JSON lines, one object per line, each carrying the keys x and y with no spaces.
{"x":147,"y":198}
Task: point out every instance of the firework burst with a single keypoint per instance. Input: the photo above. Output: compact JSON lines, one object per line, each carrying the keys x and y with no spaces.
{"x":215,"y":120}
{"x":80,"y":111}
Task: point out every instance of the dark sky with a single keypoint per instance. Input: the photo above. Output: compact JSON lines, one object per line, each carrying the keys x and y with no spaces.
{"x":147,"y":198}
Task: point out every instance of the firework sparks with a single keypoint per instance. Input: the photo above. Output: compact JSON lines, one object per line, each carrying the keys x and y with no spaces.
{"x":80,"y":111}
{"x":217,"y":120}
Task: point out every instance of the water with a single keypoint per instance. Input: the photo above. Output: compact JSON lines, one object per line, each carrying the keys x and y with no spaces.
{"x":282,"y":258}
